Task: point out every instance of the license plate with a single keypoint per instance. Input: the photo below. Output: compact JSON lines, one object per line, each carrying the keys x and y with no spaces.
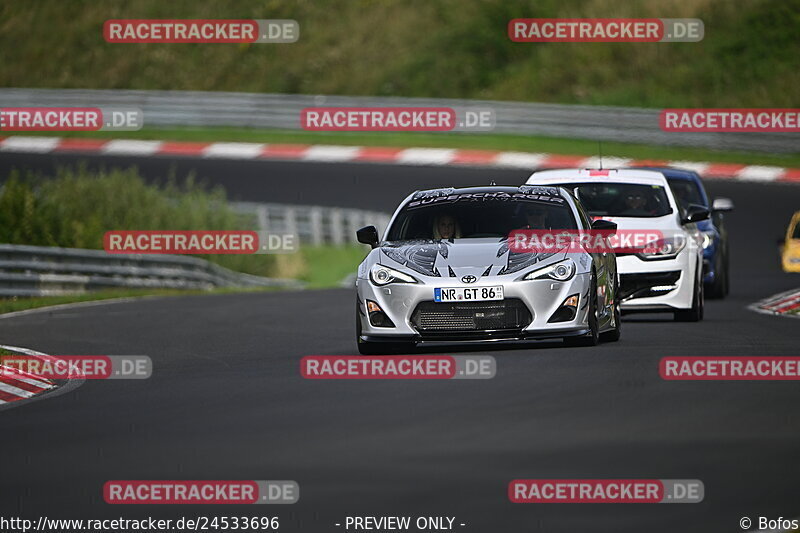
{"x":467,"y":294}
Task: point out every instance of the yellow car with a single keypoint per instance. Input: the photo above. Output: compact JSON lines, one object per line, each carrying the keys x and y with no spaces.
{"x":790,"y":253}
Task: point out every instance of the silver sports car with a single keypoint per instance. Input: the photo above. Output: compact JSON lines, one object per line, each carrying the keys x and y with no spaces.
{"x":446,"y":272}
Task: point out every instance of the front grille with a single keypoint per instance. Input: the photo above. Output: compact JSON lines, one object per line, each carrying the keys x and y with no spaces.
{"x":432,"y":317}
{"x":638,"y":285}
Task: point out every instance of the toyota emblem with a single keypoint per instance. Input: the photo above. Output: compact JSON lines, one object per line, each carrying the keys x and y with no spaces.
{"x":469,"y":279}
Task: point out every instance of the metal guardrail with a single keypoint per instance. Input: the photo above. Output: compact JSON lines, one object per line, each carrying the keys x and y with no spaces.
{"x":282,"y":111}
{"x":48,"y":271}
{"x":314,"y":225}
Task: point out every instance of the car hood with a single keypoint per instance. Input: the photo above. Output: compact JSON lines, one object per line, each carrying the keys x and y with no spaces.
{"x":665,"y":223}
{"x":461,"y":257}
{"x":668,"y":226}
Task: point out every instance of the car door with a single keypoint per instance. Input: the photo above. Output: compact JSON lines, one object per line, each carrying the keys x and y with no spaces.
{"x":605,"y":264}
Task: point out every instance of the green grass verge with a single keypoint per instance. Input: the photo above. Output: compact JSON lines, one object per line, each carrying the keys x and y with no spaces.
{"x":521,"y":143}
{"x":10,"y":305}
{"x":327,"y":266}
{"x":3,"y":354}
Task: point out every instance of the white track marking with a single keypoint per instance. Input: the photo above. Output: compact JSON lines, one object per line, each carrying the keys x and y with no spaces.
{"x":39,"y":145}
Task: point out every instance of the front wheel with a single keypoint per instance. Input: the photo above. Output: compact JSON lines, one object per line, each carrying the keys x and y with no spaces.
{"x":695,"y":314}
{"x":614,"y":334}
{"x":721,"y":285}
{"x":593,"y":337}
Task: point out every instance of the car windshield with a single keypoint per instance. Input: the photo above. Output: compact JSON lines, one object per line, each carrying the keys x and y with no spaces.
{"x":686,"y":192}
{"x":470,"y":217}
{"x":622,"y":199}
{"x":796,"y":234}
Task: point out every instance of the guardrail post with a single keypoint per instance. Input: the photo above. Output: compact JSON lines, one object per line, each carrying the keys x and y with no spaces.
{"x":337,"y":227}
{"x":315,"y":222}
{"x":262,"y":213}
{"x":290,"y":220}
{"x":355,"y":220}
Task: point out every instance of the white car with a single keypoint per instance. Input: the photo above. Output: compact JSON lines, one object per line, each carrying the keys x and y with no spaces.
{"x":666,"y":275}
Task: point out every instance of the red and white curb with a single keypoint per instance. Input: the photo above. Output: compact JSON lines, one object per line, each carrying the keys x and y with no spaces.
{"x":783,"y":304}
{"x":371,"y":154}
{"x":16,"y":385}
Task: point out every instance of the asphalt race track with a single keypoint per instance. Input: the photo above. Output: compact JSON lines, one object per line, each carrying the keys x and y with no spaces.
{"x":226,"y":400}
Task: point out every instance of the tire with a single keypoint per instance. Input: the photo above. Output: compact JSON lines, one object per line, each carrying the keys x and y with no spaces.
{"x":719,"y":289}
{"x":614,"y":334}
{"x":695,"y":314}
{"x":593,"y":337}
{"x":727,"y":270}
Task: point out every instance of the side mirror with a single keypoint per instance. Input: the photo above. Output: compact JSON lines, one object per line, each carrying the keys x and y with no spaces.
{"x":695,"y":213}
{"x":604,"y":225}
{"x":368,"y":235}
{"x":722,"y":204}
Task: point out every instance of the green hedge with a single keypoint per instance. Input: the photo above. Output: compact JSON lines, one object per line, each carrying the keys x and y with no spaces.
{"x":442,"y":48}
{"x":76,"y":207}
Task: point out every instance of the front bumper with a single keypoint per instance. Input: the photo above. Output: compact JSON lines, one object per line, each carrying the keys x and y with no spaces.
{"x":536,"y":302}
{"x":660,"y":285}
{"x":791,"y":261}
{"x":484,"y":338}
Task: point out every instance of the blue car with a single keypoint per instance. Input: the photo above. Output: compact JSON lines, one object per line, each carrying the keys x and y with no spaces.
{"x":688,"y":189}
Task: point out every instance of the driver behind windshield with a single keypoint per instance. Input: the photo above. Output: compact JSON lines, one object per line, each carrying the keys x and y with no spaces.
{"x":635,"y":205}
{"x":536,"y":218}
{"x":446,"y":227}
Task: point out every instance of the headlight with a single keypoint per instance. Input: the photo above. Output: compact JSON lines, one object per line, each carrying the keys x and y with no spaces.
{"x":666,"y":248}
{"x":708,"y":239}
{"x":561,"y":271}
{"x":382,"y":275}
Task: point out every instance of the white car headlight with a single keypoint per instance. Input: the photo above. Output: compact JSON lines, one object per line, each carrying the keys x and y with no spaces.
{"x":666,"y":248}
{"x":561,"y":271}
{"x":708,"y":239}
{"x":383,"y":275}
